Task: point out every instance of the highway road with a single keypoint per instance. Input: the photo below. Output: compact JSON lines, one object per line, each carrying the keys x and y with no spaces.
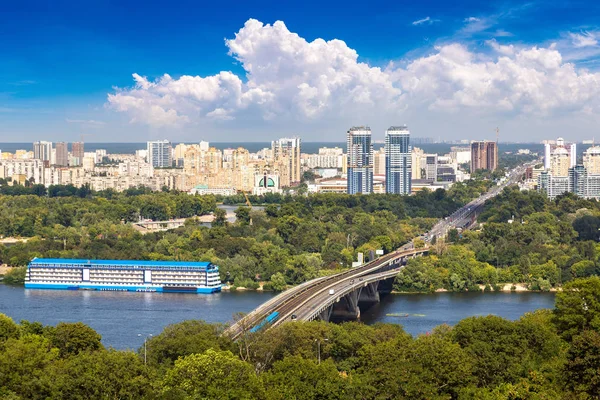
{"x":306,"y":301}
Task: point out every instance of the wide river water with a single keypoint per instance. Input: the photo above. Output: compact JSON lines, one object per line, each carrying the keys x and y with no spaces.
{"x":120,"y":316}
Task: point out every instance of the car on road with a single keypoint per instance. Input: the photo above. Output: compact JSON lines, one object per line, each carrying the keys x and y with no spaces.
{"x":331,"y":291}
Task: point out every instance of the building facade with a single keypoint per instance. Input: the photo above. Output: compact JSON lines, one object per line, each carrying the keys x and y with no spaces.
{"x":591,"y":160}
{"x":62,"y":154}
{"x":42,"y":150}
{"x":552,"y":147}
{"x":360,"y":160}
{"x":159,"y":153}
{"x":77,"y":151}
{"x":484,"y":155}
{"x":287,"y":152}
{"x":398,"y":160}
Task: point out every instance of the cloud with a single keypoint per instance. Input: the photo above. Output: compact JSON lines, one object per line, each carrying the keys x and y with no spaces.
{"x":472,"y":19}
{"x":291,"y":81}
{"x":584,"y":39}
{"x":85,"y":122}
{"x":425,"y":21}
{"x":25,"y":82}
{"x":502,"y":33}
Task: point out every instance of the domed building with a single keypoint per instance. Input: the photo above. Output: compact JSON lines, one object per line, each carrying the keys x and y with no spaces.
{"x":560,"y":162}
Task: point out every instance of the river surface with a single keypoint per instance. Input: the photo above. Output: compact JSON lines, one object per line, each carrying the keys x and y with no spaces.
{"x":120,"y":316}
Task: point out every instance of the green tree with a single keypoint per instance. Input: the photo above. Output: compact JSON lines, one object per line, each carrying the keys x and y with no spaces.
{"x":297,"y":378}
{"x":278,"y":282}
{"x":73,"y":338}
{"x":8,"y":328}
{"x":242,"y":215}
{"x":23,"y":366}
{"x":583,"y":364}
{"x":220,"y":217}
{"x":578,"y":307}
{"x":104,"y":374}
{"x":184,"y":338}
{"x":495,"y":361}
{"x":588,"y":227}
{"x":16,"y":276}
{"x":212,"y":375}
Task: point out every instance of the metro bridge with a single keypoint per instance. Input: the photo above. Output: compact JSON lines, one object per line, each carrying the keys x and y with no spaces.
{"x":340,"y":296}
{"x":335,"y":297}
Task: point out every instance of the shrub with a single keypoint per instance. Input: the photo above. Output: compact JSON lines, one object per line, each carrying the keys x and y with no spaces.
{"x":16,"y":276}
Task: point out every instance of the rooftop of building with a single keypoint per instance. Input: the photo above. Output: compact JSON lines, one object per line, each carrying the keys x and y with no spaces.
{"x":359,"y":128}
{"x":398,"y":128}
{"x":593,"y":150}
{"x":123,"y":263}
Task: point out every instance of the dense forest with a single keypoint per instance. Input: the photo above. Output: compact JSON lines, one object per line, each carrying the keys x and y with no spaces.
{"x":294,"y":238}
{"x":548,"y":354}
{"x":524,"y":238}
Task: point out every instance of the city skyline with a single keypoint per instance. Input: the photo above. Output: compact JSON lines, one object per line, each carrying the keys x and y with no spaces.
{"x":456,"y":72}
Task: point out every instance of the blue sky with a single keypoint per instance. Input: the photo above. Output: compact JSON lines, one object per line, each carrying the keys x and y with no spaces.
{"x":66,"y":68}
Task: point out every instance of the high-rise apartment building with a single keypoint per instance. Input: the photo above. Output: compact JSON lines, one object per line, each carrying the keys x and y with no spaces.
{"x":62,"y":154}
{"x":379,"y":162}
{"x":360,"y":160}
{"x":288,"y":151}
{"x":77,"y":152}
{"x":591,"y":160}
{"x":160,"y":154}
{"x":550,"y":148}
{"x":484,"y":155}
{"x":42,"y":150}
{"x":560,"y":162}
{"x":398,"y":160}
{"x":416,"y":155}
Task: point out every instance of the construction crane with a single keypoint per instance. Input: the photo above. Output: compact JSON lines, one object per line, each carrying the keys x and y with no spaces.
{"x":246,"y":197}
{"x":84,"y":135}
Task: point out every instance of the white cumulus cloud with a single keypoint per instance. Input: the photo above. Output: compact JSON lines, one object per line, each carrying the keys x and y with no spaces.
{"x":289,"y":79}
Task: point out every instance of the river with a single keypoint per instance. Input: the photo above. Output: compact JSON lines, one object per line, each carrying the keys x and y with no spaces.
{"x":120,"y":316}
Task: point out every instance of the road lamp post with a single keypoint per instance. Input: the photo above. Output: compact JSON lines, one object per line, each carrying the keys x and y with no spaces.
{"x":319,"y":349}
{"x":145,"y":346}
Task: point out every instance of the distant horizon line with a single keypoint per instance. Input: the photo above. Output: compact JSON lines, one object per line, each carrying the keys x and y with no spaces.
{"x":267,"y":141}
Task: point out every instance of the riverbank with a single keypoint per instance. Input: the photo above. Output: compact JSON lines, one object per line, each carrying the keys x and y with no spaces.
{"x":503,"y":288}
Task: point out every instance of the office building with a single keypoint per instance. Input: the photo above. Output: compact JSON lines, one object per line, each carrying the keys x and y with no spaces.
{"x":62,"y":154}
{"x":360,"y":160}
{"x":287,"y":150}
{"x":159,"y":153}
{"x":551,"y":149}
{"x":398,"y":159}
{"x":42,"y":150}
{"x":484,"y":155}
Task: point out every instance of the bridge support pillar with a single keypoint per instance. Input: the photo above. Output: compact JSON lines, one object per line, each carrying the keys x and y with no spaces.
{"x":325,"y":315}
{"x":386,"y":286}
{"x":369,"y":293}
{"x":346,"y":308}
